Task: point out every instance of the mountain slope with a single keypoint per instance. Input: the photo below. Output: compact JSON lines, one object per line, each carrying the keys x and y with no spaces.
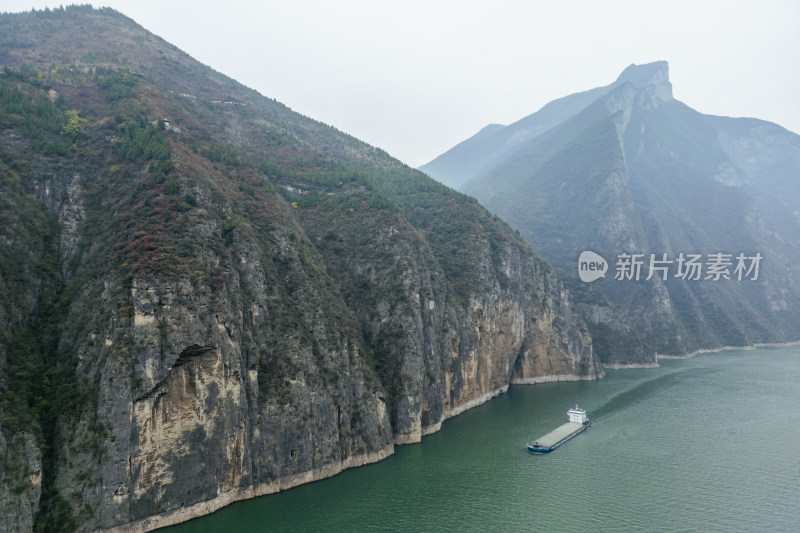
{"x":207,"y":296}
{"x":637,"y":172}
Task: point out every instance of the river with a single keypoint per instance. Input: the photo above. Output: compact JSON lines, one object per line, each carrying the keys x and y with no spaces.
{"x":710,"y":443}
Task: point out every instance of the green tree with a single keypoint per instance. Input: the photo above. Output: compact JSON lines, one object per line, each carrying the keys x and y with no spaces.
{"x":74,"y":125}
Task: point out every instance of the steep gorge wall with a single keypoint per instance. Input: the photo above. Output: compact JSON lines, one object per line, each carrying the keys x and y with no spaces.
{"x":199,"y":389}
{"x":250,"y":379}
{"x":450,"y":346}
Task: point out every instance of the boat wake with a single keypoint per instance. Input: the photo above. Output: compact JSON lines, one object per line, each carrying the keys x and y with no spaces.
{"x":637,"y":393}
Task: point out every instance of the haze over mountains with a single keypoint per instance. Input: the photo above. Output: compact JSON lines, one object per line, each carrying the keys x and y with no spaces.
{"x":627,"y":169}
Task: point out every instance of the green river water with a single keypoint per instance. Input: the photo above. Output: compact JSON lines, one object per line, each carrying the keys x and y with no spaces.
{"x":710,"y":443}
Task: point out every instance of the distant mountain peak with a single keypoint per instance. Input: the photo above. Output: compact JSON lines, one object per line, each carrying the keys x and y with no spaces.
{"x":647,"y":74}
{"x":653,"y":76}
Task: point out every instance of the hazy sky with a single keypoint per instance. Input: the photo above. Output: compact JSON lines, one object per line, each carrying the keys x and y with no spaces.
{"x":416,"y":78}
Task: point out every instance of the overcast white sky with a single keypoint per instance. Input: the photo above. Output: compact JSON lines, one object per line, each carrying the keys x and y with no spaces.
{"x":417,"y":77}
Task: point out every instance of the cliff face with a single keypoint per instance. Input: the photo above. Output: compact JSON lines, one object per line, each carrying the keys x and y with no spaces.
{"x":442,"y":346}
{"x":204,"y":391}
{"x":627,"y":170}
{"x":231,"y":301}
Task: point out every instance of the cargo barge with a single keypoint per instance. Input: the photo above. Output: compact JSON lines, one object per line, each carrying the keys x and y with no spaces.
{"x":578,"y":423}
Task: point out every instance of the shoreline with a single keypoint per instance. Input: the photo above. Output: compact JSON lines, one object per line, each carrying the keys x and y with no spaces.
{"x":196,"y":510}
{"x":629,"y":366}
{"x":557,"y":378}
{"x":729,"y":348}
{"x":455,"y":411}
